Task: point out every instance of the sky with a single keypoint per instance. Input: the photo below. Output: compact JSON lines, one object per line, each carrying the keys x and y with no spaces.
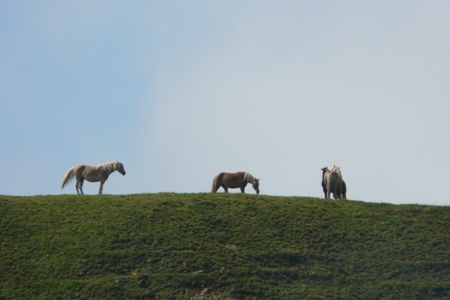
{"x":179,"y":91}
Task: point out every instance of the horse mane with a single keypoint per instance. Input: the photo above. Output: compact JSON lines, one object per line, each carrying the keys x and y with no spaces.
{"x":337,"y":170}
{"x":108,"y":167}
{"x":249,"y":177}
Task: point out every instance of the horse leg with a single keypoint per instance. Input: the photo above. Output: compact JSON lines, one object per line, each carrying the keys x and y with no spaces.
{"x":336,"y":195}
{"x":225,"y":188}
{"x":328,"y":195}
{"x":101,"y":188}
{"x":77,"y":184}
{"x":216,"y":187}
{"x":242,"y":189}
{"x":81,"y":185}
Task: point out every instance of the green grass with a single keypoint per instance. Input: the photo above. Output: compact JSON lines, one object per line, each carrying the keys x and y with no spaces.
{"x":219,"y":246}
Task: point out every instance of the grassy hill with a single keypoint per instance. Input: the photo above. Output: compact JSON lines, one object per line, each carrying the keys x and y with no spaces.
{"x":219,"y":246}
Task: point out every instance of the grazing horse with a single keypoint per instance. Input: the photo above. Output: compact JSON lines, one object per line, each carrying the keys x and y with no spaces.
{"x":92,"y":174}
{"x":332,"y":182}
{"x":234,"y":180}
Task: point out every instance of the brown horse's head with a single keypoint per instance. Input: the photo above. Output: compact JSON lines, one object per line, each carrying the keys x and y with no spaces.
{"x":256,"y":185}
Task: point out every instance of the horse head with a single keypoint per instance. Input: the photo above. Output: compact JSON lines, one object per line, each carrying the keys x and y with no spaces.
{"x":119,"y":167}
{"x":256,"y":185}
{"x":324,"y":171}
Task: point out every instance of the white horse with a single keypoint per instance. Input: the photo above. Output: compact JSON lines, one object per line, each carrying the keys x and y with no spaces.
{"x":92,"y":174}
{"x":334,"y":183}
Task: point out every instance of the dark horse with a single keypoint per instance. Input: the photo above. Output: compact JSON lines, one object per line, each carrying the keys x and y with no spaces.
{"x":234,"y":180}
{"x":324,"y":186}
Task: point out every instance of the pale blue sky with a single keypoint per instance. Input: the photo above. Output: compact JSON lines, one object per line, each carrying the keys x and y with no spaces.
{"x":180,"y":91}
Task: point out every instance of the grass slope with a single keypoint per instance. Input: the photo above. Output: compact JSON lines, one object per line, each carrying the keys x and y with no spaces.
{"x":219,"y":246}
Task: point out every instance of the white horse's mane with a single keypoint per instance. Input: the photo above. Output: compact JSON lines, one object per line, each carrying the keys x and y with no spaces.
{"x":108,"y":167}
{"x":337,"y":170}
{"x":249,"y":177}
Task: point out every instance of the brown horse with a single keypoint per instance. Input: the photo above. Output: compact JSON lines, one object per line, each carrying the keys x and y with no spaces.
{"x":332,"y":182}
{"x":234,"y":180}
{"x":92,"y":174}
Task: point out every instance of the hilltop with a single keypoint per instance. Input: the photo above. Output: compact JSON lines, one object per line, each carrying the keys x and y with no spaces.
{"x":221,"y":246}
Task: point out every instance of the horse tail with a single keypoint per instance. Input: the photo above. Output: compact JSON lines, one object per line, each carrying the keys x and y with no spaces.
{"x":344,"y":189}
{"x":68,"y":177}
{"x":214,"y":184}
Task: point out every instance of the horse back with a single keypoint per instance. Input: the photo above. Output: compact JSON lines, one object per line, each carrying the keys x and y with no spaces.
{"x":232,"y":180}
{"x":92,"y":174}
{"x":78,"y":170}
{"x":332,"y":179}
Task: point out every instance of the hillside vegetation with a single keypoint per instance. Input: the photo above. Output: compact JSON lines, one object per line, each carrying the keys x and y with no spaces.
{"x":221,"y":246}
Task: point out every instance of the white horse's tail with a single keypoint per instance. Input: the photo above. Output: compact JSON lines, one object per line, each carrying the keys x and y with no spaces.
{"x":214,"y":183}
{"x":68,"y":177}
